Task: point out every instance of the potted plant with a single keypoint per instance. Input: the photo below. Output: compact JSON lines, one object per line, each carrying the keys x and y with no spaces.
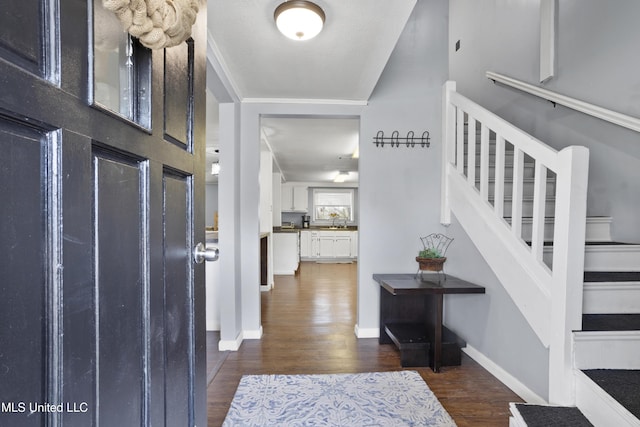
{"x":430,"y":260}
{"x":432,"y":255}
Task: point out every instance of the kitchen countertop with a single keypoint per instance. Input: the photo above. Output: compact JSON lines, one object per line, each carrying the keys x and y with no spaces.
{"x":286,"y":230}
{"x":313,"y":228}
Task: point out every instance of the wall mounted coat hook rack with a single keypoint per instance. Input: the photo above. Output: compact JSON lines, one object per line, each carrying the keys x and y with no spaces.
{"x":409,"y":141}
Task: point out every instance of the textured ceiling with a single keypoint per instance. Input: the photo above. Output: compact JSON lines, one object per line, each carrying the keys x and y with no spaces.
{"x":313,"y":149}
{"x":343,"y":63}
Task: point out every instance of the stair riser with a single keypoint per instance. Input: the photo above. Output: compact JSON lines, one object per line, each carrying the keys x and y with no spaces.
{"x":597,"y":230}
{"x":611,"y":297}
{"x":615,"y":259}
{"x":607,"y":350}
{"x":606,"y":258}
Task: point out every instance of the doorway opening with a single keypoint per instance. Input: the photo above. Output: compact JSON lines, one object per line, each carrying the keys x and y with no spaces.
{"x":309,"y":165}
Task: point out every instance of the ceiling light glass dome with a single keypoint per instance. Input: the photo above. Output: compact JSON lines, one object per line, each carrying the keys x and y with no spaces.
{"x":299,"y":19}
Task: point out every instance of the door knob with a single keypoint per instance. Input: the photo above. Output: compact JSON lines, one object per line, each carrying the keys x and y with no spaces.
{"x":202,"y":253}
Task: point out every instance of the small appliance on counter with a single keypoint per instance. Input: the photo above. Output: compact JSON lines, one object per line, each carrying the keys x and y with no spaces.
{"x":305,"y":221}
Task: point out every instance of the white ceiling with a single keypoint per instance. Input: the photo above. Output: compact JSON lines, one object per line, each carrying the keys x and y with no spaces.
{"x":313,"y":149}
{"x":343,"y":63}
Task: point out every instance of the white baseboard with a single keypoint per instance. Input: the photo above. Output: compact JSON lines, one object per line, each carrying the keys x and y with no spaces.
{"x":503,"y":376}
{"x":266,"y":288}
{"x":213,"y":327}
{"x":253,"y":335}
{"x":366,"y":332}
{"x":230,"y":345}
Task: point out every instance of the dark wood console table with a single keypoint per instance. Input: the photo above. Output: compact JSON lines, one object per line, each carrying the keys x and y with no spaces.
{"x":411,"y":317}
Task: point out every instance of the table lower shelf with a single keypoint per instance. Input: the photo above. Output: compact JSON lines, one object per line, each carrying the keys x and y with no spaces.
{"x":415,"y":348}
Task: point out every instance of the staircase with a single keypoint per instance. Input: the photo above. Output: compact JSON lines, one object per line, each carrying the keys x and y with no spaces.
{"x":606,"y":360}
{"x":607,"y":348}
{"x":586,"y":309}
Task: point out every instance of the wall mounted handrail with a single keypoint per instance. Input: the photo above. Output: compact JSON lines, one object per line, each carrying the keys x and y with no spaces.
{"x":610,"y":116}
{"x":484,"y":155}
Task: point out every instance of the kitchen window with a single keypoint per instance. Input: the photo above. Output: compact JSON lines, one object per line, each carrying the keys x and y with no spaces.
{"x":333,"y":205}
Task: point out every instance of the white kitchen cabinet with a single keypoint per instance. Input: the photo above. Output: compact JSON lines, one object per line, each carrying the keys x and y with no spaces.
{"x":286,"y":198}
{"x":354,"y":244}
{"x":285,"y":253}
{"x":326,"y":245}
{"x":342,"y":245}
{"x":294,"y":198}
{"x":300,"y":198}
{"x":305,"y":244}
{"x":335,"y":244}
{"x":314,"y":249}
{"x":332,"y":244}
{"x":309,"y":244}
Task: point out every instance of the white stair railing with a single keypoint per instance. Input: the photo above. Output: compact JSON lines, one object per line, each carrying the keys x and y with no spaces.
{"x":482,"y":153}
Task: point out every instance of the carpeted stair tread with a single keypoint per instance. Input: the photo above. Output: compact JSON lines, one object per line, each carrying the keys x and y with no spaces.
{"x":552,"y":416}
{"x":548,"y":243}
{"x":611,"y":322}
{"x":623,"y":385}
{"x":607,"y":243}
{"x":612,"y":276}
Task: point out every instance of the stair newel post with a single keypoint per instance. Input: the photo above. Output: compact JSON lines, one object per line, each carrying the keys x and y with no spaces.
{"x":448,"y":148}
{"x":568,"y":269}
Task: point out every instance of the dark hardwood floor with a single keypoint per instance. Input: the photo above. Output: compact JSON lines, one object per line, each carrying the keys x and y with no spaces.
{"x":308,"y":323}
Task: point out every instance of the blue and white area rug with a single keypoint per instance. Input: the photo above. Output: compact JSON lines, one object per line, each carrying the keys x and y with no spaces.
{"x":391,"y":399}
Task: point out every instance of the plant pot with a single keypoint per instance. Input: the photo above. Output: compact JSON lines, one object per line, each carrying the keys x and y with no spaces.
{"x":431,"y":264}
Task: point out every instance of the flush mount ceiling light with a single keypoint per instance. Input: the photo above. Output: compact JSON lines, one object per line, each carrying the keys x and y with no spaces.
{"x":299,"y":19}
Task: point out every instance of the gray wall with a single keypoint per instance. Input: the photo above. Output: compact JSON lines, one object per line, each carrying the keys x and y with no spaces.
{"x":491,"y":323}
{"x":596,"y":61}
{"x":400,"y":187}
{"x":400,"y":201}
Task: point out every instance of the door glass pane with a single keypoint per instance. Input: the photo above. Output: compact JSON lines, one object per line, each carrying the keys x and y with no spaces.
{"x":121,"y":68}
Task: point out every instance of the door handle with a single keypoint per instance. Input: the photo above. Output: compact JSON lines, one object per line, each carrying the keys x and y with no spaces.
{"x":202,"y":253}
